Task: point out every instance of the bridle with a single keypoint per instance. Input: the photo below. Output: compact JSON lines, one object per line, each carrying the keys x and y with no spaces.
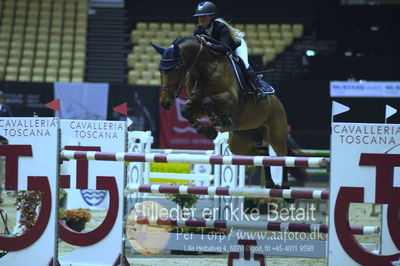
{"x":182,"y":76}
{"x":165,"y":88}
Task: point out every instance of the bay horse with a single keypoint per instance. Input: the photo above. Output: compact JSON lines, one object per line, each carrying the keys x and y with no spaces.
{"x":214,"y":92}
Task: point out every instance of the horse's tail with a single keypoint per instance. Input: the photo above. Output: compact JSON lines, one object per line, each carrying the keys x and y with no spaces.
{"x":294,"y":150}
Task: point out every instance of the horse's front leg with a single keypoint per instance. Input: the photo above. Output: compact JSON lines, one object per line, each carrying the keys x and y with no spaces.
{"x":190,"y":113}
{"x":210,"y":104}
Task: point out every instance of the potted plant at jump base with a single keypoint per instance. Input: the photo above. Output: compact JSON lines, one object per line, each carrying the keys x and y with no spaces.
{"x":184,"y":201}
{"x":27,"y":203}
{"x":75,"y":219}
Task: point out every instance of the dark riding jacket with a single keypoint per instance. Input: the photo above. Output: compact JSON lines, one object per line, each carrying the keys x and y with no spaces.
{"x":220,"y":32}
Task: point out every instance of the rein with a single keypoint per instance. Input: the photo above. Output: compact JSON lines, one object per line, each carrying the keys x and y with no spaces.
{"x":193,"y":91}
{"x":217,"y":42}
{"x":182,"y":81}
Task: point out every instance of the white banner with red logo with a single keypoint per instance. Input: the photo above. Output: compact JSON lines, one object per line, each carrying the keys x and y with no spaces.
{"x":365,"y":161}
{"x":94,"y":135}
{"x":31,"y":157}
{"x":94,"y":185}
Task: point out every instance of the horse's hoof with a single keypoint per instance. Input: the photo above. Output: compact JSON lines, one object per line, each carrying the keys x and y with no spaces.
{"x":228,"y":122}
{"x":209,"y":132}
{"x":217,"y":125}
{"x":186,"y":112}
{"x":217,"y":121}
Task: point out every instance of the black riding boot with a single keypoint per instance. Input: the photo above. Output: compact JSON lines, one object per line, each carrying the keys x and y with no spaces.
{"x":259,"y":96}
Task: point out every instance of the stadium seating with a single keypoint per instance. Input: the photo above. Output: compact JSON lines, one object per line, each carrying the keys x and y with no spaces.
{"x":264,"y":40}
{"x":43,"y":40}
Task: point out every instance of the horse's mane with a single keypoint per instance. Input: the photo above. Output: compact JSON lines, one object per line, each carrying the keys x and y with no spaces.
{"x":182,"y":39}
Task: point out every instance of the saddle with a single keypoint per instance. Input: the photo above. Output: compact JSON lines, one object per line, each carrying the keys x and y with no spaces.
{"x":240,"y":72}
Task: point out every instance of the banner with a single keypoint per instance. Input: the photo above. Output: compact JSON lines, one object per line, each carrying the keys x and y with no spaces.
{"x":87,"y":101}
{"x":91,"y":135}
{"x":367,"y":174}
{"x":177,"y":133}
{"x":365,"y":89}
{"x":31,"y":158}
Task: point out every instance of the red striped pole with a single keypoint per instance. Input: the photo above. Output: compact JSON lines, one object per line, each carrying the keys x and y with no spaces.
{"x":198,"y":158}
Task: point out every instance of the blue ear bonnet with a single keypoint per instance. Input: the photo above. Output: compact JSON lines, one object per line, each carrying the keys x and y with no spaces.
{"x":170,"y":58}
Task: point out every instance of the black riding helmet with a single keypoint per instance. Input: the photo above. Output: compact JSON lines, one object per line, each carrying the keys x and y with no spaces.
{"x":205,"y":8}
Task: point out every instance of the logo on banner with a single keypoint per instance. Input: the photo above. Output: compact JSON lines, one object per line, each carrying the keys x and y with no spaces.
{"x":93,"y":197}
{"x":385,"y":193}
{"x":103,"y":183}
{"x":12,"y":153}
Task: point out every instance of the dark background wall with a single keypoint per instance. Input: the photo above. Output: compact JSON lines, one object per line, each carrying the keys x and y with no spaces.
{"x":236,"y":11}
{"x":27,"y":98}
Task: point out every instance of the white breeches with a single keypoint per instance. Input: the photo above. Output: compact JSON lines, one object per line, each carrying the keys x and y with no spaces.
{"x":242,"y":52}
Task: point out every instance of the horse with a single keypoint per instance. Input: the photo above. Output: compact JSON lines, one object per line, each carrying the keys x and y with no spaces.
{"x":214,"y":92}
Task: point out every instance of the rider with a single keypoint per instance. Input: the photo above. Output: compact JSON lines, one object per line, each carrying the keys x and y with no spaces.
{"x":220,"y":30}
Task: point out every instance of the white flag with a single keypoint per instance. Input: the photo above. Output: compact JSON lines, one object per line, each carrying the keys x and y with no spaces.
{"x":338,"y":108}
{"x":129,"y":122}
{"x":389,"y":111}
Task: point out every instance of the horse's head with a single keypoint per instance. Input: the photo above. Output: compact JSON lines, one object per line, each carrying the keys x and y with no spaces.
{"x":172,"y":72}
{"x":176,"y":61}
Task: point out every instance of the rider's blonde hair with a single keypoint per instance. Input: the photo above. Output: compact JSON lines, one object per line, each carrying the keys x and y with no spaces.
{"x":236,"y":34}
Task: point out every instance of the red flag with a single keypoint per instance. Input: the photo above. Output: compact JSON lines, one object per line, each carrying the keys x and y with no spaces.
{"x":54,"y":105}
{"x":122,"y":109}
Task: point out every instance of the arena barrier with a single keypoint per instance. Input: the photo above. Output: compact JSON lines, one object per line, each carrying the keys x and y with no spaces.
{"x":32,"y":160}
